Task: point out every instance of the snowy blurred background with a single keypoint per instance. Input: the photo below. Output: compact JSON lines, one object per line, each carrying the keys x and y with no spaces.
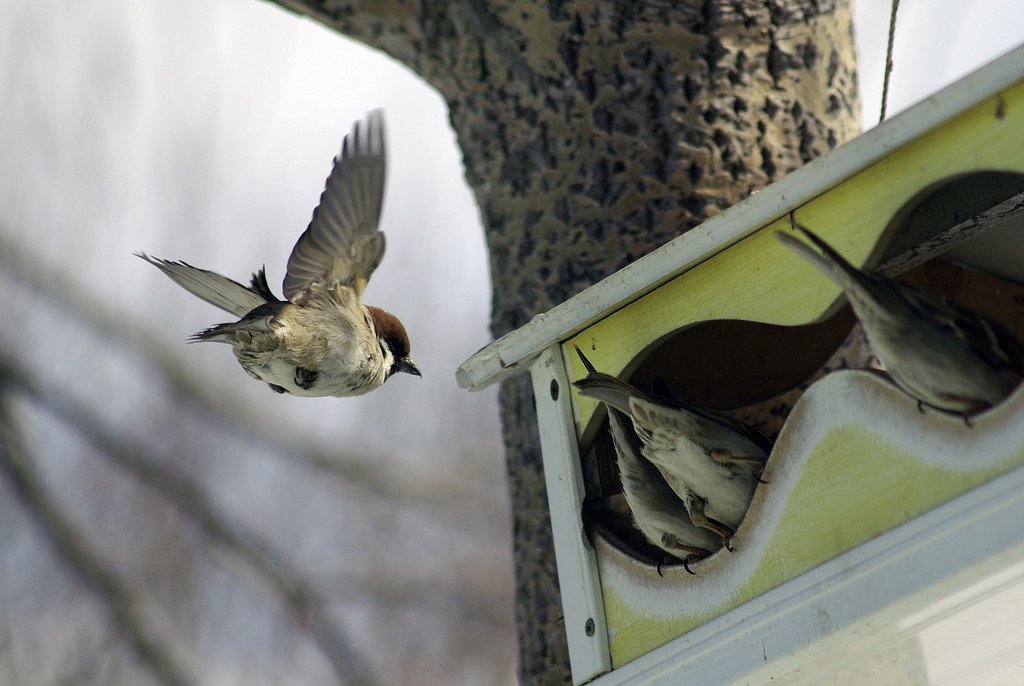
{"x":370,"y":534}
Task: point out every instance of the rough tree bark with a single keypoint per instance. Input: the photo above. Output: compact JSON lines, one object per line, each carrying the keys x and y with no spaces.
{"x":593,"y":132}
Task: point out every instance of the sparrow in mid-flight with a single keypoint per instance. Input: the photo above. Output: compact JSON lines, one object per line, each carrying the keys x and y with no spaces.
{"x":939,"y":353}
{"x":322,"y":340}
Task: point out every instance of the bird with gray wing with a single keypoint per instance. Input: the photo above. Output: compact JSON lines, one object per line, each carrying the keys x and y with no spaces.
{"x":941,"y":354}
{"x":657,"y":511}
{"x":322,"y":340}
{"x":711,"y":462}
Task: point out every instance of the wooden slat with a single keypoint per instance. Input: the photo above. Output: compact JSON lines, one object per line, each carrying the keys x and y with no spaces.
{"x":578,"y":582}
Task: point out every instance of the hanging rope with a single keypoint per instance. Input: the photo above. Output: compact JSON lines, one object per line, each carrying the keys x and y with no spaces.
{"x":888,"y":58}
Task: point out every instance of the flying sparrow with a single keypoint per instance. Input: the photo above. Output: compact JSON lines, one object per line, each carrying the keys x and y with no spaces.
{"x":941,"y":354}
{"x":709,"y":460}
{"x":322,"y":340}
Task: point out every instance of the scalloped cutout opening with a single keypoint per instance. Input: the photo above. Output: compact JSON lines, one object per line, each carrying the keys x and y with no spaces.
{"x":754,"y":371}
{"x":728,"y":364}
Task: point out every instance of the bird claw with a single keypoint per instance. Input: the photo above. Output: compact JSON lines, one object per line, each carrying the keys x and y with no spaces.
{"x":963,"y":415}
{"x":724,"y":531}
{"x":686,"y":564}
{"x":699,"y":518}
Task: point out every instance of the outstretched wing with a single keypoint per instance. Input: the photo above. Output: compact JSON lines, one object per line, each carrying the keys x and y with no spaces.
{"x":342,"y":245}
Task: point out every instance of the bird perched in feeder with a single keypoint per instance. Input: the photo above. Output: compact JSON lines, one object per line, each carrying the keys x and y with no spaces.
{"x":661,"y":515}
{"x":941,"y":354}
{"x":322,"y":340}
{"x":709,"y":460}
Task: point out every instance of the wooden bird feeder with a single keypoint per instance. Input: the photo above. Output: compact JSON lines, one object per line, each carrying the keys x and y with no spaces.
{"x":874,"y":514}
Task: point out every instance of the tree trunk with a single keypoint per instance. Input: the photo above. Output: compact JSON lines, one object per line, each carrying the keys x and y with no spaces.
{"x":592,"y":133}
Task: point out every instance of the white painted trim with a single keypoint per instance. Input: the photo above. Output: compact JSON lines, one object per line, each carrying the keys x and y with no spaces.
{"x":889,"y":577}
{"x":515,"y":351}
{"x":578,"y":578}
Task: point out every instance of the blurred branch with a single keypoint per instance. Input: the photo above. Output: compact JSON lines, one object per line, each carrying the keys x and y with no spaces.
{"x":70,"y":546}
{"x":74,"y":299}
{"x":452,"y":597}
{"x":300,"y":598}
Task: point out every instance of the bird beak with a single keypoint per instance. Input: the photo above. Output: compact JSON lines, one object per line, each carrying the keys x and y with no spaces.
{"x":407,"y":365}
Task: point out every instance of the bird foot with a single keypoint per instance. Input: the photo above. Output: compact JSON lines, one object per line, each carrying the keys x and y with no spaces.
{"x":699,"y":518}
{"x":963,"y":415}
{"x":696,"y":555}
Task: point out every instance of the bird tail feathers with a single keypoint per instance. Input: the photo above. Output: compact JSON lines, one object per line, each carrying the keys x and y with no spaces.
{"x":831,"y":263}
{"x":218,"y":290}
{"x":604,"y":387}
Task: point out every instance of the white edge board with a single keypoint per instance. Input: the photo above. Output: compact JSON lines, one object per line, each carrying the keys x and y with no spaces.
{"x":578,"y":580}
{"x":515,"y":351}
{"x":799,"y":622}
